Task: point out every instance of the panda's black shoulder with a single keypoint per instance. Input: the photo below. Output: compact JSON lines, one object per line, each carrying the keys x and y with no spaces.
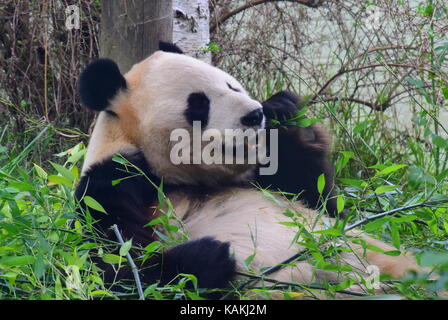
{"x":125,"y":187}
{"x":118,"y":169}
{"x":125,"y":174}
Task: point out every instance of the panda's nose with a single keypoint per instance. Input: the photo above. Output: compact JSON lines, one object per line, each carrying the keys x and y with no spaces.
{"x":253,"y":118}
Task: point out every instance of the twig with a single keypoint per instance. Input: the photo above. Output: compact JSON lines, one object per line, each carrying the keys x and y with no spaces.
{"x":14,"y":288}
{"x":70,"y":136}
{"x":45,"y":9}
{"x":302,"y":285}
{"x":131,"y":262}
{"x":393,"y":211}
{"x":277,"y":267}
{"x":344,"y":70}
{"x":270,"y":270}
{"x":348,"y":228}
{"x":253,"y":3}
{"x":374,"y":106}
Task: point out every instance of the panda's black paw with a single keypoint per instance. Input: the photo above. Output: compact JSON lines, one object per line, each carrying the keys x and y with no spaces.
{"x":206,"y":258}
{"x":281,"y":106}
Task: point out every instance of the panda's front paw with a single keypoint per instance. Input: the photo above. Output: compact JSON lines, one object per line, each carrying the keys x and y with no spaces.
{"x":206,"y":258}
{"x":281,"y":106}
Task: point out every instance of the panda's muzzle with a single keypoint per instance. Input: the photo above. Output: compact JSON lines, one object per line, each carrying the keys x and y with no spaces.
{"x":253,"y":118}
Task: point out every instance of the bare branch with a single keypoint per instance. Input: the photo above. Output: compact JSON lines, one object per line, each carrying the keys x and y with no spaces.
{"x":251,"y":4}
{"x":374,"y":106}
{"x":343,"y":71}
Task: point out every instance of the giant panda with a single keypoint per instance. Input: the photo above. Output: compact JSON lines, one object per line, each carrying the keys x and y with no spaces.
{"x":221,"y":208}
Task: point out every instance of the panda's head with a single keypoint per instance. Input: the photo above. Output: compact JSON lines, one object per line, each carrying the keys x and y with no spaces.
{"x":164,"y":92}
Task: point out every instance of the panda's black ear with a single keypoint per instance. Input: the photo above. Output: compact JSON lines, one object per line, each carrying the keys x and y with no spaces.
{"x":169,"y":47}
{"x":99,"y":83}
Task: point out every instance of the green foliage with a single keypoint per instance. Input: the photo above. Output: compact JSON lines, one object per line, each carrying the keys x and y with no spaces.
{"x":403,"y":173}
{"x":43,"y":249}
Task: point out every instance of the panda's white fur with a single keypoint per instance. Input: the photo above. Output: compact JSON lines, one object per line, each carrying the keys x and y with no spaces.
{"x":252,"y":223}
{"x":153,"y":106}
{"x":158,"y":89}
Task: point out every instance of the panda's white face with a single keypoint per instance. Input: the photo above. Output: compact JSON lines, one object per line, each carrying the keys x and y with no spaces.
{"x":169,"y":91}
{"x":168,"y":82}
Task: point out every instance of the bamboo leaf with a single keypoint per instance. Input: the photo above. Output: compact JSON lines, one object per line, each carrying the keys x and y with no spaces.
{"x":92,"y":203}
{"x":321,"y":183}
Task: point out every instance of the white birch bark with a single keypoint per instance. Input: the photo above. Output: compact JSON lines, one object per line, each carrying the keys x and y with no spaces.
{"x":191,"y":31}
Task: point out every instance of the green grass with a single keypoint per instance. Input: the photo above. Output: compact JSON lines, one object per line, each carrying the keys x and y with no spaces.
{"x":46,"y":250}
{"x":44,"y":253}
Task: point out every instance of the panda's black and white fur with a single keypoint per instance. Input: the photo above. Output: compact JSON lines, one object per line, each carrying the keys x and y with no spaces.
{"x":224,"y":216}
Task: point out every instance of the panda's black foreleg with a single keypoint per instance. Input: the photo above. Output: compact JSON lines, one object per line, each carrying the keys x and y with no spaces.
{"x":207,"y":259}
{"x":302,"y":155}
{"x":127,"y":196}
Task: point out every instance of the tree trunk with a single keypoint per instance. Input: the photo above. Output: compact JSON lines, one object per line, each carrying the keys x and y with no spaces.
{"x":191,"y":30}
{"x":132,"y":29}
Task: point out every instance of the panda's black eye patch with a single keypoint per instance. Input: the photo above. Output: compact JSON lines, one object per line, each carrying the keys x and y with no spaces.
{"x":232,"y":88}
{"x":198,"y":108}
